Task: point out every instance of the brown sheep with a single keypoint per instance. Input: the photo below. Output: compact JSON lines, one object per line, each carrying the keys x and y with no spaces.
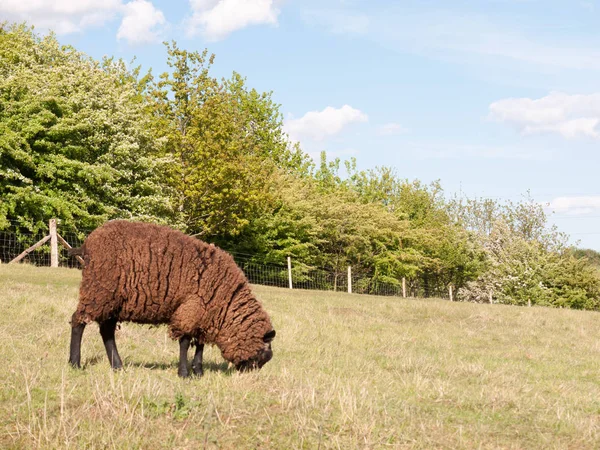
{"x":145,"y":273}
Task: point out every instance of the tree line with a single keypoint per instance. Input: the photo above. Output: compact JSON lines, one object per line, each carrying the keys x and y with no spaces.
{"x":87,"y":141}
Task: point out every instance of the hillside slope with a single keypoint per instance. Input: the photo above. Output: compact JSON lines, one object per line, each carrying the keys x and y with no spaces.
{"x":348,"y":371}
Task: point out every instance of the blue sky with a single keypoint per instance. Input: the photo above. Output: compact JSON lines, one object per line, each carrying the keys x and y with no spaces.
{"x":494,"y":98}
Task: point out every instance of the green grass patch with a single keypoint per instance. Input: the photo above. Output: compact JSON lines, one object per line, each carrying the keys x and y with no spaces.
{"x":348,"y":371}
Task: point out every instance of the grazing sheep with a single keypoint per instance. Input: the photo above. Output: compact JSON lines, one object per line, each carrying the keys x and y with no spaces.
{"x":145,"y":273}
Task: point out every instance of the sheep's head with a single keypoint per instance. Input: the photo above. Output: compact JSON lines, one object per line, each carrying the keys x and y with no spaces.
{"x":263,"y":356}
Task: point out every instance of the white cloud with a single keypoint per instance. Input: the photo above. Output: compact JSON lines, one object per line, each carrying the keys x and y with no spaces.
{"x":576,"y":205}
{"x":62,"y":16}
{"x":317,"y":125}
{"x":390,"y":129}
{"x":139,"y":25}
{"x":140,"y":22}
{"x":571,"y":116}
{"x":216,"y":19}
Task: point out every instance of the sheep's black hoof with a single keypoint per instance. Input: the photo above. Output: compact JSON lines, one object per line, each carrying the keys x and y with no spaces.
{"x":198,"y":371}
{"x":116,"y":364}
{"x":75,"y":364}
{"x":183,"y":373}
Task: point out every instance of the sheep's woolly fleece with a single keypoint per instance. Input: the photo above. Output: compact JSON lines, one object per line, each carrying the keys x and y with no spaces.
{"x":153,"y":274}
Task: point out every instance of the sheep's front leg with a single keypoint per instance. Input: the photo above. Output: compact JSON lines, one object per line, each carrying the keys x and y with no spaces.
{"x":107,"y":331}
{"x":197,"y":362}
{"x":184,"y":345}
{"x":76,"y":336}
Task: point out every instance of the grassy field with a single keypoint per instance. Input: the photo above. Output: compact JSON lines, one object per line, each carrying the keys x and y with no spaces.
{"x":348,"y":372}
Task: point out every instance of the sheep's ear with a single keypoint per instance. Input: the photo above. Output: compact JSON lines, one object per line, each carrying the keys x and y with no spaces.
{"x":269,"y":336}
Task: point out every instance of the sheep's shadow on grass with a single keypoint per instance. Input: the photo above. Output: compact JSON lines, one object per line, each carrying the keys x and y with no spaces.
{"x":93,"y":361}
{"x":208,"y":366}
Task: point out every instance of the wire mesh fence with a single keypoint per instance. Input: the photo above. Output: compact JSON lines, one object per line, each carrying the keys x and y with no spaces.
{"x":312,"y":278}
{"x":257,"y":270}
{"x":12,"y":244}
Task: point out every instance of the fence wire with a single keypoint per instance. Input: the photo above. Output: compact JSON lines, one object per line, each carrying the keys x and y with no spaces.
{"x":257,"y":270}
{"x":13,"y":244}
{"x":310,"y":278}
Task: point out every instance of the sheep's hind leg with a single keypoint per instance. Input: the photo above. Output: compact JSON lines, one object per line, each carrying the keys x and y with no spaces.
{"x":107,"y":331}
{"x":76,"y":336}
{"x":184,"y":345}
{"x":197,"y":362}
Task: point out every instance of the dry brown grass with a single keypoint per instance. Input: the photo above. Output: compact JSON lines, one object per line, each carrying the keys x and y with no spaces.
{"x":348,"y":372}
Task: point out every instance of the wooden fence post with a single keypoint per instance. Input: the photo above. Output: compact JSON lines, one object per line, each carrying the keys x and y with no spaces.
{"x":450,"y":292}
{"x":491,"y":298}
{"x":290,"y":271}
{"x":54,"y":239}
{"x":403,"y":287}
{"x":53,"y":244}
{"x":349,"y":280}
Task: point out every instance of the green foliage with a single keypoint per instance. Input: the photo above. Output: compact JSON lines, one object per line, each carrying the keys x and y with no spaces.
{"x":352,"y":233}
{"x":588,"y":254}
{"x":439,"y":251}
{"x":228,"y":142}
{"x":574,"y":283}
{"x":525,"y":219}
{"x":384,"y":227}
{"x":528,"y":264}
{"x":86,"y":141}
{"x":74,"y":138}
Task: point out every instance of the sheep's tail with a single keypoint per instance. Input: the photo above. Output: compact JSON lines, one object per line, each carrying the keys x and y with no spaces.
{"x":77,"y":251}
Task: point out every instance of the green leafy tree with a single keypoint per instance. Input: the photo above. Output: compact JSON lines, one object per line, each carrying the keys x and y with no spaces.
{"x":592,"y":256}
{"x":436,"y":250}
{"x":227,"y":140}
{"x":527,"y":263}
{"x":75,"y":141}
{"x":332,"y":230}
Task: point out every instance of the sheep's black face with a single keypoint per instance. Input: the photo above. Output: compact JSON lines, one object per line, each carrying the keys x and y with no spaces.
{"x":263,"y":356}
